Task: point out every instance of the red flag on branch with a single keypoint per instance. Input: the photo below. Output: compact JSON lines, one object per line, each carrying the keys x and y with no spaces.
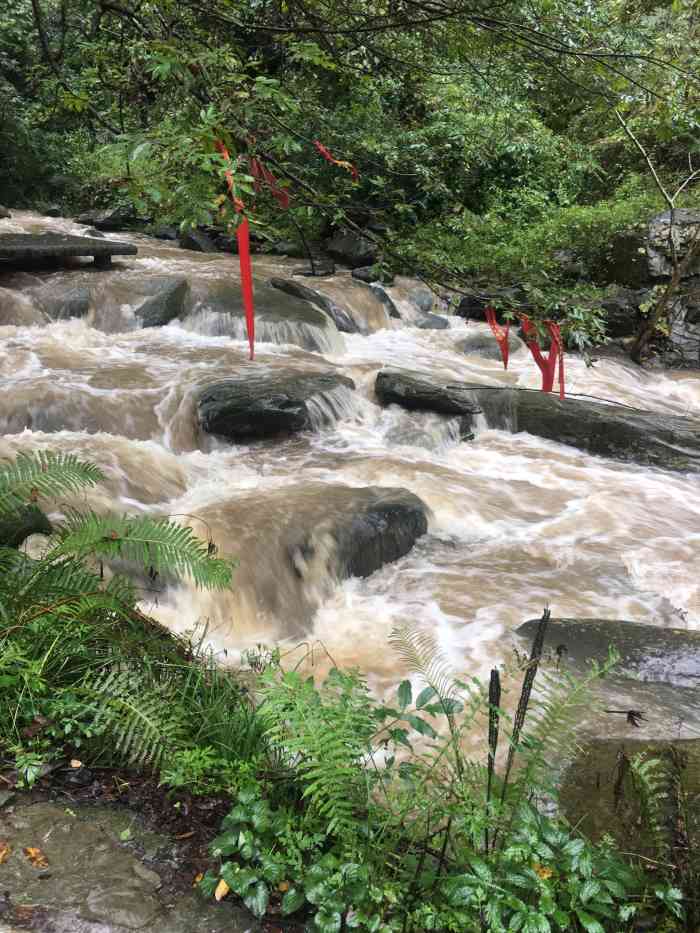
{"x":243,"y":238}
{"x":348,"y":166}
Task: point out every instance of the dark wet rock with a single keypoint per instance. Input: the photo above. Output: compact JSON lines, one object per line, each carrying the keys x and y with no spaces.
{"x":343,"y":319}
{"x":322,"y":268}
{"x":383,"y":295}
{"x":598,"y":792}
{"x":288,"y":248}
{"x":53,"y":210}
{"x":198,"y":241}
{"x":217,"y":309}
{"x":486,"y":345}
{"x":686,"y":227}
{"x":648,"y":653}
{"x":4,"y":213}
{"x":621,"y":311}
{"x":419,"y":394}
{"x":93,"y":232}
{"x":16,"y":527}
{"x":472,"y":306}
{"x":63,"y":305}
{"x":382,"y":526}
{"x":111,"y":219}
{"x":265,"y":405}
{"x":167,"y":299}
{"x":422,"y":298}
{"x":659,"y":440}
{"x":369,"y":274}
{"x":432,"y":322}
{"x":625,"y":260}
{"x":351,"y":249}
{"x":165,"y":233}
{"x":28,"y":248}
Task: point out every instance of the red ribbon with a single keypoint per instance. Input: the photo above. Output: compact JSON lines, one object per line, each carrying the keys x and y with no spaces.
{"x":261,"y":175}
{"x":330,"y":158}
{"x":243,"y":238}
{"x":500,"y":333}
{"x":547,"y":364}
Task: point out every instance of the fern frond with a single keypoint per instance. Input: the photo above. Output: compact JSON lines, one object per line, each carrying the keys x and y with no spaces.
{"x":43,"y":474}
{"x":138,"y":714}
{"x":421,"y":655}
{"x":150,"y":542}
{"x":652,"y":782}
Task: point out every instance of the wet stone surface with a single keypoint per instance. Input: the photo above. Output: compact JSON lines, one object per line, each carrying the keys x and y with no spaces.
{"x":98,"y":875}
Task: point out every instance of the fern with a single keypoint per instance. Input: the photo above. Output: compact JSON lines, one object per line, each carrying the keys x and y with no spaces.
{"x":325,"y":736}
{"x":652,"y":780}
{"x":139,"y":714}
{"x":43,"y":475}
{"x":151,"y":542}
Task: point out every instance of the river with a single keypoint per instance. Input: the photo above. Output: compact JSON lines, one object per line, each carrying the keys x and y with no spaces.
{"x":517,"y":522}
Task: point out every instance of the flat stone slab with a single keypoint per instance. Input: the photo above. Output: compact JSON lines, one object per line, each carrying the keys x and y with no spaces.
{"x":23,"y":248}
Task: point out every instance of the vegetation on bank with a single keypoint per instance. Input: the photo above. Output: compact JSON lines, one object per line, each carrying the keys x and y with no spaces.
{"x":346,"y":812}
{"x":485,"y":142}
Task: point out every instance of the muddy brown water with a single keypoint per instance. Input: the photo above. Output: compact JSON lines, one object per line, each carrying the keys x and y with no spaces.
{"x":516,"y":521}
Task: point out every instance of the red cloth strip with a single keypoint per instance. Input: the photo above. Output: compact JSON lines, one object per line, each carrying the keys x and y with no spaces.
{"x":500,"y":333}
{"x":330,"y":158}
{"x":243,"y":239}
{"x":547,"y":364}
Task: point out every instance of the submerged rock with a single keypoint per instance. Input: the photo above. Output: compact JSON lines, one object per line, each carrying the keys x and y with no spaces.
{"x":648,"y":653}
{"x":269,"y":404}
{"x":63,"y":305}
{"x":382,"y":526}
{"x":341,"y":318}
{"x":217,"y":310}
{"x":18,"y":310}
{"x":383,"y":295}
{"x":351,"y":249}
{"x":167,"y":299}
{"x":660,"y":440}
{"x":4,"y":213}
{"x":486,"y":346}
{"x":432,"y":322}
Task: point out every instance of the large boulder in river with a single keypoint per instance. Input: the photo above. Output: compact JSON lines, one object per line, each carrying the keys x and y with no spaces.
{"x":647,"y":653}
{"x":432,"y":322}
{"x":341,"y":318}
{"x":18,"y":310}
{"x":115,"y":218}
{"x":217,"y":310}
{"x":166,"y":300}
{"x":270,"y":403}
{"x":649,"y":438}
{"x":64,"y":304}
{"x":198,"y":241}
{"x":351,"y":249}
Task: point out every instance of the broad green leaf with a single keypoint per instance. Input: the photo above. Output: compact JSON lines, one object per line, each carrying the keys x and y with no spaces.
{"x":405,"y":694}
{"x":292,"y":900}
{"x":257,"y":899}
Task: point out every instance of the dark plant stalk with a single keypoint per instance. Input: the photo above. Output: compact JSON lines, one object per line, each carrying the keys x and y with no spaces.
{"x":494,"y":722}
{"x":524,"y":702}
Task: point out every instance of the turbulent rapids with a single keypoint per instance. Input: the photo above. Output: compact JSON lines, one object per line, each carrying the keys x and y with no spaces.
{"x":514,"y":521}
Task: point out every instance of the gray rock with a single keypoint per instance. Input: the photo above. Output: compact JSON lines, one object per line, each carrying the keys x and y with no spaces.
{"x":198,"y":241}
{"x":472,"y":306}
{"x":369,"y":274}
{"x":288,"y":248}
{"x":53,"y":211}
{"x":17,"y":310}
{"x":622,"y":314}
{"x":648,"y":653}
{"x":4,"y":213}
{"x":110,"y":219}
{"x":93,"y":232}
{"x":486,"y":345}
{"x":343,"y":319}
{"x":167,"y":299}
{"x":658,"y":440}
{"x":351,"y":249}
{"x":63,"y":305}
{"x":383,"y":295}
{"x":16,"y":527}
{"x":165,"y":233}
{"x":383,"y":526}
{"x":322,"y":268}
{"x":432,"y":322}
{"x":686,"y":227}
{"x":265,"y":405}
{"x":422,"y":298}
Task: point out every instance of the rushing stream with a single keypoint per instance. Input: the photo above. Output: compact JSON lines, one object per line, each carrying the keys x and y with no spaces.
{"x":516,"y":521}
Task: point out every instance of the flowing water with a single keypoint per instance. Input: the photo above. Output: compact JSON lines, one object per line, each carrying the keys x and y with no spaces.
{"x":516,"y":521}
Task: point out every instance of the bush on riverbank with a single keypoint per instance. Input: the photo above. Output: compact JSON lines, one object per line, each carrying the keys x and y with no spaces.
{"x":338,"y":815}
